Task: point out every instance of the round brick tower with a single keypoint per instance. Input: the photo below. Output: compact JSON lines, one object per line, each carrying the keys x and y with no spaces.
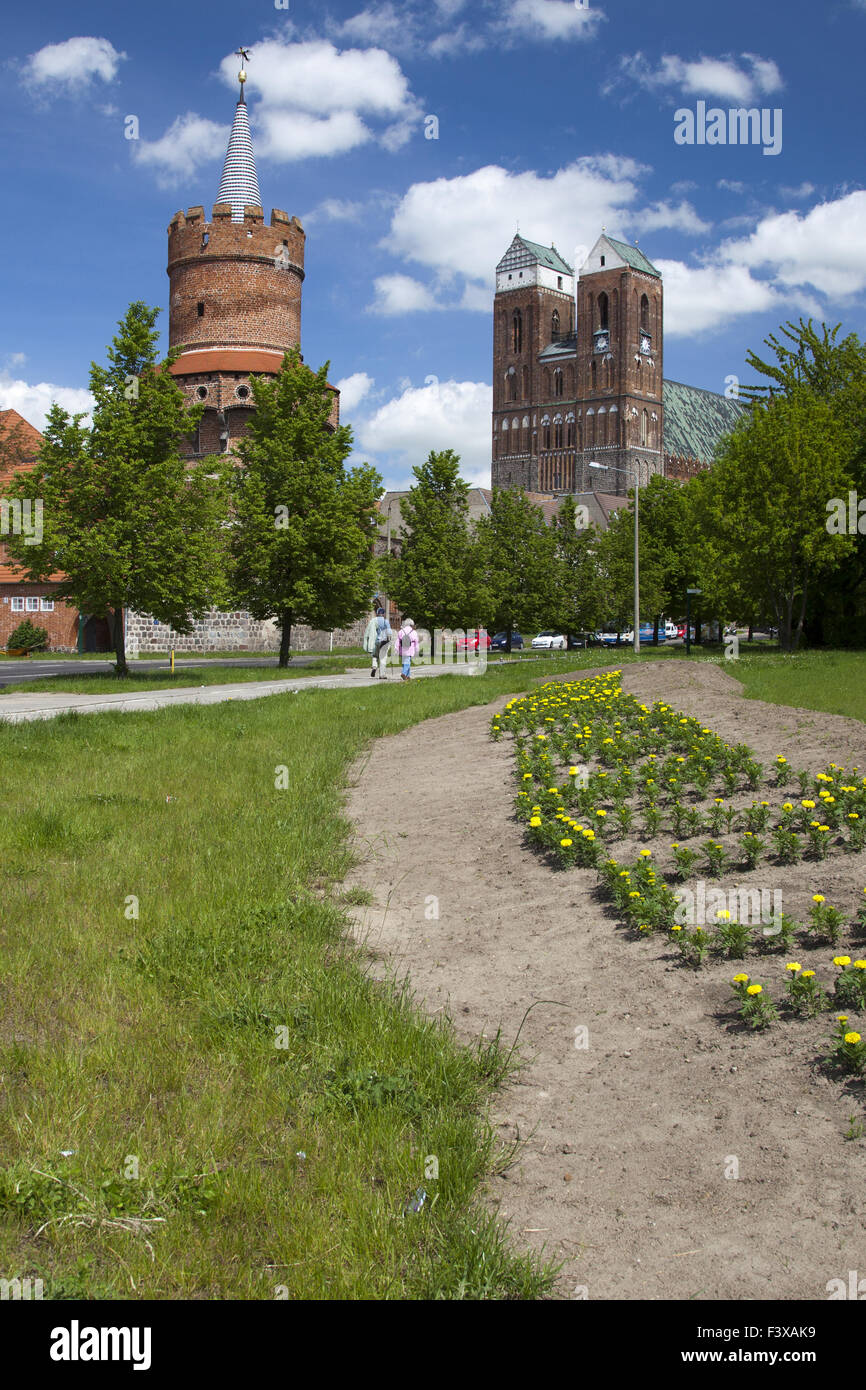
{"x":235,"y":294}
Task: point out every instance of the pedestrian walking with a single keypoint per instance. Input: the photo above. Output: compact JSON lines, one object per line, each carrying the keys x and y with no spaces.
{"x":407,"y":647}
{"x":377,"y":641}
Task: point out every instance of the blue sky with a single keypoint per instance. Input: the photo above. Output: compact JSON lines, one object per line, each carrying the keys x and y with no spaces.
{"x":552,"y":114}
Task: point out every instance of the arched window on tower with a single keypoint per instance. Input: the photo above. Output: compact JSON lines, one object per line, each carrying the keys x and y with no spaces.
{"x":557,"y":431}
{"x":569,"y":430}
{"x":590,"y":428}
{"x":644,"y":427}
{"x":524,"y":435}
{"x":557,"y":382}
{"x":545,"y":431}
{"x":593,"y":376}
{"x":644,"y":314}
{"x":613,"y":426}
{"x":603,"y":311}
{"x":512,"y":385}
{"x":601,"y":427}
{"x":517,"y":331}
{"x":554,"y":325}
{"x":608,"y":371}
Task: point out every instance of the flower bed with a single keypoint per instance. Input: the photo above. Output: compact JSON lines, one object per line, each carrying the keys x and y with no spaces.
{"x":594,"y":767}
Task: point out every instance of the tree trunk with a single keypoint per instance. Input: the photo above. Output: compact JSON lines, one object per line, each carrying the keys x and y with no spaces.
{"x":120,"y":644}
{"x":655,"y":632}
{"x":285,"y":622}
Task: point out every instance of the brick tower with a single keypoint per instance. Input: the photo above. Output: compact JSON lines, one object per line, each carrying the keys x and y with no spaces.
{"x":577,"y":375}
{"x":235,"y":294}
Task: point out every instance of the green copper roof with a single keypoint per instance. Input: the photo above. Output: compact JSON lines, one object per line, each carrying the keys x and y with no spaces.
{"x":549,"y":256}
{"x":633,"y":257}
{"x":695,"y":420}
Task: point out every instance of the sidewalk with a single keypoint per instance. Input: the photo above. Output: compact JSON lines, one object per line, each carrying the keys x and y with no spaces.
{"x":18,"y":707}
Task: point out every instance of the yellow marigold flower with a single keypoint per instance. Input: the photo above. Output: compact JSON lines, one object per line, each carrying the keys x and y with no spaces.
{"x":527,"y":776}
{"x":565,"y":843}
{"x":860,"y":965}
{"x":553,"y":789}
{"x":755,"y":989}
{"x":817,"y":897}
{"x":676,"y":846}
{"x":535,"y":820}
{"x":780,"y":759}
{"x":741,"y":979}
{"x":809,"y":805}
{"x":841,"y":1018}
{"x":852,"y":815}
{"x":573,"y":771}
{"x":634,"y":893}
{"x":787,"y":806}
{"x":624,"y":873}
{"x":601,"y":813}
{"x":645,"y":853}
{"x":852,"y":1037}
{"x":644,"y":926}
{"x":793,"y":965}
{"x":807,"y":974}
{"x":676,"y":927}
{"x":841,"y":960}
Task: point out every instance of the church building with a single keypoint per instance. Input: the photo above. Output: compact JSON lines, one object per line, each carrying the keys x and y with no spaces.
{"x":580,"y":402}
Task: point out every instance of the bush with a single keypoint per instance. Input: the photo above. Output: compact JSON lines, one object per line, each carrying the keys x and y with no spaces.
{"x":32,"y":639}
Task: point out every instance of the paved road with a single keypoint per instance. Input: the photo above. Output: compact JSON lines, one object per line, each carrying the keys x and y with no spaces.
{"x":19,"y":707}
{"x":28,"y":669}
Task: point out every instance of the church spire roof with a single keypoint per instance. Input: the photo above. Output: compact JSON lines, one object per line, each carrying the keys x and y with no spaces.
{"x":239,"y":184}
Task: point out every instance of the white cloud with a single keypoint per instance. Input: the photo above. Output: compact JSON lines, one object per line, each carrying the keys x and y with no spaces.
{"x":723,"y":78}
{"x":400,"y":294}
{"x":824,"y":249}
{"x":804,"y":190}
{"x":334,"y":210}
{"x":189,"y":141}
{"x":439,"y":415}
{"x":552,"y":19}
{"x":353,"y":390}
{"x":463,"y":226}
{"x":701,"y":298}
{"x":288,"y":135}
{"x":72,"y":66}
{"x":681,"y":218}
{"x":34,"y":400}
{"x":731,"y":185}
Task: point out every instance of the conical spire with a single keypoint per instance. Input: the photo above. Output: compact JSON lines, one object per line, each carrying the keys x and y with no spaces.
{"x":239,"y":184}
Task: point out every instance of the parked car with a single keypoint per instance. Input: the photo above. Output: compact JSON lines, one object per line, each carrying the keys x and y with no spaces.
{"x":580,"y":639}
{"x":671,"y":630}
{"x":470,"y":643}
{"x":498,"y":643}
{"x":550,"y":641}
{"x":609,"y":638}
{"x":646,"y":633}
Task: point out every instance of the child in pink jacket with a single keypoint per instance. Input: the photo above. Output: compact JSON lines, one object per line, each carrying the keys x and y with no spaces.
{"x":407,"y":647}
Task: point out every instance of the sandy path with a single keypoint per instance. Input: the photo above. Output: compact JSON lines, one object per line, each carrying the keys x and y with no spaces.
{"x":622,"y":1175}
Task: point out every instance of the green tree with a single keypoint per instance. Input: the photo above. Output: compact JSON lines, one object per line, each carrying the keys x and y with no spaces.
{"x":303,"y":524}
{"x":517,"y":558}
{"x":433,"y":575}
{"x":126,"y":523}
{"x":762,"y":509}
{"x":575,"y":606}
{"x":668,"y":549}
{"x":615,"y":560}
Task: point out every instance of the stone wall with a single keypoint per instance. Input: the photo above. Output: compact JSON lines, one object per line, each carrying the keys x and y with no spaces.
{"x":224,"y":632}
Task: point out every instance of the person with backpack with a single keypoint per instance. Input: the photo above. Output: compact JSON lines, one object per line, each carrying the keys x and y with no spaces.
{"x":407,"y":647}
{"x":377,"y":640}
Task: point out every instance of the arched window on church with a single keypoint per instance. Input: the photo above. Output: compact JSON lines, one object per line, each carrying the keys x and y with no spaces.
{"x":557,"y":382}
{"x":524,"y":436}
{"x":644,"y":314}
{"x":608,"y":372}
{"x":557,"y":431}
{"x":512,"y":384}
{"x":601,"y":427}
{"x":580,"y":431}
{"x":593,"y":376}
{"x":569,"y":430}
{"x":517,"y":331}
{"x":603,"y":310}
{"x":644,"y":427}
{"x":505,"y":448}
{"x":554,"y":325}
{"x":590,"y":428}
{"x":545,"y":431}
{"x":613,"y":426}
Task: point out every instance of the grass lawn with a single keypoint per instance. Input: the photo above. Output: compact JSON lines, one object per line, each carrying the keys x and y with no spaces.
{"x":204,"y":1095}
{"x":103,"y":683}
{"x":833,"y":681}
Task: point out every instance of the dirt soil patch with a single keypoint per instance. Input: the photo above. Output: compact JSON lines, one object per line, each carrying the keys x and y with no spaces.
{"x":626,"y":1143}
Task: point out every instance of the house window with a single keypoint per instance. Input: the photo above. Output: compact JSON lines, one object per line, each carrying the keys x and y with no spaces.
{"x":46,"y":605}
{"x":32,"y":605}
{"x":17,"y":605}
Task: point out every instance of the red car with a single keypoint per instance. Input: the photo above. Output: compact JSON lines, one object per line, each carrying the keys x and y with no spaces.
{"x":469,"y":643}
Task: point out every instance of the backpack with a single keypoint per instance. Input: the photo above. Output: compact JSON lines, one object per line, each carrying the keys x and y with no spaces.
{"x":383,"y":631}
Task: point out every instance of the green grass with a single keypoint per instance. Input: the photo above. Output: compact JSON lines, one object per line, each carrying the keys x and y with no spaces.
{"x":149,"y":1043}
{"x":104,"y":683}
{"x":832,"y":681}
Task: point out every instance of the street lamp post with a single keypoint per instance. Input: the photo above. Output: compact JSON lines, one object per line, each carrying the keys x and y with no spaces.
{"x":609,"y":468}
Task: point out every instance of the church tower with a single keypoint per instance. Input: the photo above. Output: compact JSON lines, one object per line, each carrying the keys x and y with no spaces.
{"x":533,"y":308}
{"x":620,"y":417}
{"x":235,"y":294}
